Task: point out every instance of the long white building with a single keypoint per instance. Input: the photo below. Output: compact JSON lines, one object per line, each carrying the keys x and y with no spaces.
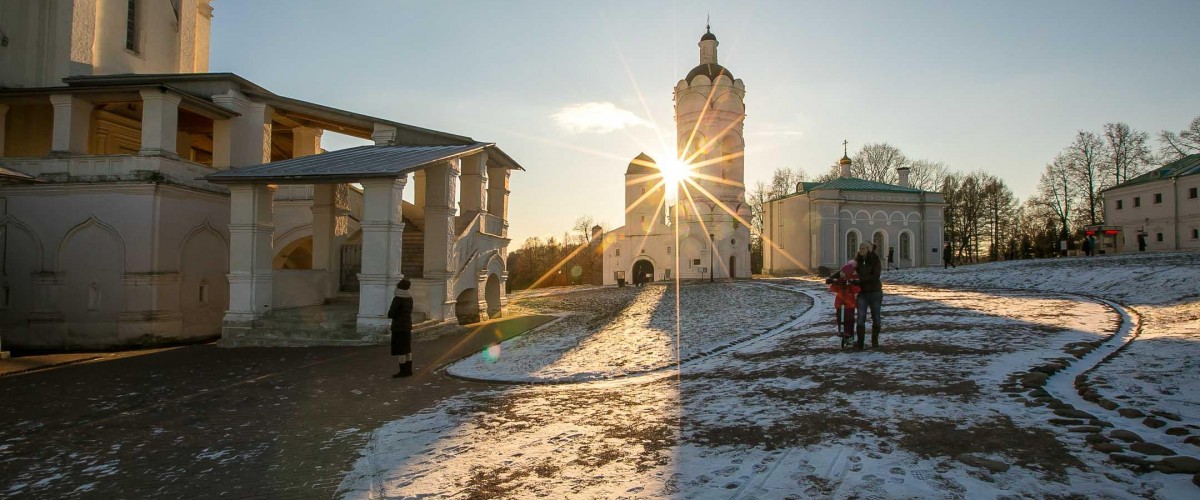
{"x":144,"y":200}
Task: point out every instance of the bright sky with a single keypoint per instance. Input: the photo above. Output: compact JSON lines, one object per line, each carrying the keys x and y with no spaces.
{"x":574,"y":90}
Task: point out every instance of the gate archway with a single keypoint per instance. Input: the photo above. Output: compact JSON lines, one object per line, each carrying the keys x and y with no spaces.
{"x":643,"y":271}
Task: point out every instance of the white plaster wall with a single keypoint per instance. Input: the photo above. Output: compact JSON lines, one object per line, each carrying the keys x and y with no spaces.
{"x":1153,"y":217}
{"x":52,"y":39}
{"x":299,"y":288}
{"x":100,"y":236}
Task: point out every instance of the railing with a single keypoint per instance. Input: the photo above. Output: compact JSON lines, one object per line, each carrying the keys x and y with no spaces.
{"x":294,"y":192}
{"x":115,"y":168}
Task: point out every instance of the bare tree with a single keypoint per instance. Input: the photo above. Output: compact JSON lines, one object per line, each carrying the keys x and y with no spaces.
{"x":1174,"y":146}
{"x":927,"y":175}
{"x":1126,"y":151}
{"x":1056,"y":188}
{"x":1001,"y":207}
{"x":878,"y":162}
{"x":784,"y":180}
{"x":1088,"y":171}
{"x":583,"y":228}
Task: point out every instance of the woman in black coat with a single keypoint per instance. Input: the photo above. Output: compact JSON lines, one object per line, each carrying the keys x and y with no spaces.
{"x":401,"y":314}
{"x":871,"y":297}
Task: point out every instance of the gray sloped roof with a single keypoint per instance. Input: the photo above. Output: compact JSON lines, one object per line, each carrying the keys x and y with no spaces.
{"x":348,"y":165}
{"x":1188,"y":165}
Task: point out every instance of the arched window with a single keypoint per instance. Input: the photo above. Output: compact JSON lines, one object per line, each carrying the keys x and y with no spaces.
{"x":851,"y":244}
{"x":905,"y":246}
{"x":879,"y":243}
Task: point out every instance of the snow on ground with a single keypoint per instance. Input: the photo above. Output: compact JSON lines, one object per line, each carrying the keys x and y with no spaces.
{"x":1160,"y":370}
{"x":621,"y":331}
{"x":789,"y":413}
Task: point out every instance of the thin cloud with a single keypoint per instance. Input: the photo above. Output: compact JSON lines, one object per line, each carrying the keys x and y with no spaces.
{"x":600,"y":117}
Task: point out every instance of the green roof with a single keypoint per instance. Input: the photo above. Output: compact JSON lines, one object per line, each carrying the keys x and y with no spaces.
{"x":1188,"y":165}
{"x":856,"y":184}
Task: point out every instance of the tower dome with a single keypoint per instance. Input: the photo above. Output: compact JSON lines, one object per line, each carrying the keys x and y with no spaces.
{"x":708,"y":59}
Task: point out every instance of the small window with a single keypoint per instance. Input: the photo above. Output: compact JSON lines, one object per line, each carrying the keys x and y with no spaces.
{"x":131,"y":26}
{"x":733,"y":242}
{"x":618,"y":252}
{"x":643,"y":219}
{"x":1120,"y":204}
{"x":1137,"y":201}
{"x":643,"y":250}
{"x":1192,"y":193}
{"x":643,"y":190}
{"x":1158,"y":197}
{"x":203,"y":293}
{"x":1195,"y":236}
{"x":695,"y":262}
{"x":1158,"y":237}
{"x":668,"y":250}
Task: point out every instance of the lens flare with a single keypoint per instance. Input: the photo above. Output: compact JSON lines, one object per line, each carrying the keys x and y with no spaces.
{"x":491,"y":353}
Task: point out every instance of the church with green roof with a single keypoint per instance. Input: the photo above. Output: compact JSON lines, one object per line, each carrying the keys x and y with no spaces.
{"x":818,"y":228}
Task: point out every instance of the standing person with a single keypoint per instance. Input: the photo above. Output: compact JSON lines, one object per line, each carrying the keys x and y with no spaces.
{"x":869,"y":269}
{"x":1092,"y":243}
{"x":401,"y":314}
{"x":947,"y":255}
{"x":1141,"y":242}
{"x":1087,"y":247}
{"x":892,"y":259}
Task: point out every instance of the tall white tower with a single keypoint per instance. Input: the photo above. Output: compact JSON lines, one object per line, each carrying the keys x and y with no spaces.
{"x":709,"y":114}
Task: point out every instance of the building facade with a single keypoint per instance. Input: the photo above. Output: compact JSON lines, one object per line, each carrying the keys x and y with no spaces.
{"x":115,"y":229}
{"x":1162,"y":206}
{"x":709,"y":209}
{"x":819,"y":227}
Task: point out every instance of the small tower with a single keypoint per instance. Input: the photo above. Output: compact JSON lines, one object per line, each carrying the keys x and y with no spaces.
{"x":709,"y":117}
{"x":845,"y":161}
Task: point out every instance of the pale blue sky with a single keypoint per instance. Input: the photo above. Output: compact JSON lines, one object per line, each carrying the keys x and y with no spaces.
{"x":997,"y":86}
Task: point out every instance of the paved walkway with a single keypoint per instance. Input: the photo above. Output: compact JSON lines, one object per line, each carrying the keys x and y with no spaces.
{"x":202,"y":421}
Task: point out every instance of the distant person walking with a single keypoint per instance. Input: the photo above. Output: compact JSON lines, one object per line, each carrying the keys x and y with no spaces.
{"x":947,"y":255}
{"x":401,"y":314}
{"x":892,"y":259}
{"x":869,"y":268}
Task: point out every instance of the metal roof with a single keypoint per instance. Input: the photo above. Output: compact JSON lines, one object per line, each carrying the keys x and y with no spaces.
{"x":1188,"y":165}
{"x":348,"y":165}
{"x":856,"y":184}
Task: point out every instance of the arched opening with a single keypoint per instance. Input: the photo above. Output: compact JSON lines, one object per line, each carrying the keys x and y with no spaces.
{"x":350,"y":263}
{"x":851,"y":245}
{"x":732,"y":266}
{"x":296,"y":255}
{"x":492,"y":294}
{"x":880,"y":244}
{"x":643,"y":272}
{"x":906,"y":249}
{"x":466,"y":307}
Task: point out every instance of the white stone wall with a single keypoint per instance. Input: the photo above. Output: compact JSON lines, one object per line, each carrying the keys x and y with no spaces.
{"x":1176,"y":218}
{"x":104,"y":264}
{"x":49,"y":40}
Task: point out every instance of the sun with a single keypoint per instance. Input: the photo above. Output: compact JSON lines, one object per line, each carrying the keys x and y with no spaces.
{"x":674,"y":171}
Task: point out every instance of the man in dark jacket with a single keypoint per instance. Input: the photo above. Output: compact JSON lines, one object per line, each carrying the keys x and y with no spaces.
{"x":401,"y":314}
{"x":869,"y":269}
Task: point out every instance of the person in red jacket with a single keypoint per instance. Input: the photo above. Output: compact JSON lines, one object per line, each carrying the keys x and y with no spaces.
{"x":845,"y":293}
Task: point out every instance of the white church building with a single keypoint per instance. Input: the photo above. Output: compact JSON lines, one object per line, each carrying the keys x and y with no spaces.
{"x":713,"y":239}
{"x":819,"y":227}
{"x":144,"y":200}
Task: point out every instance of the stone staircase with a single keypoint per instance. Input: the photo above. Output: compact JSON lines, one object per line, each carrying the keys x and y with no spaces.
{"x":332,"y":324}
{"x":412,"y":257}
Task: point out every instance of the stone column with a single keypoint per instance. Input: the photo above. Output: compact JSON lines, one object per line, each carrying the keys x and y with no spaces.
{"x":474,"y":178}
{"x":419,"y":196}
{"x":160,"y":122}
{"x":323,"y":213}
{"x":242,"y":140}
{"x":382,"y":241}
{"x":306,"y":141}
{"x":497,"y":194}
{"x":384,"y":135}
{"x":439,"y":218}
{"x":251,"y":225}
{"x":72,"y":121}
{"x":3,"y":114}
